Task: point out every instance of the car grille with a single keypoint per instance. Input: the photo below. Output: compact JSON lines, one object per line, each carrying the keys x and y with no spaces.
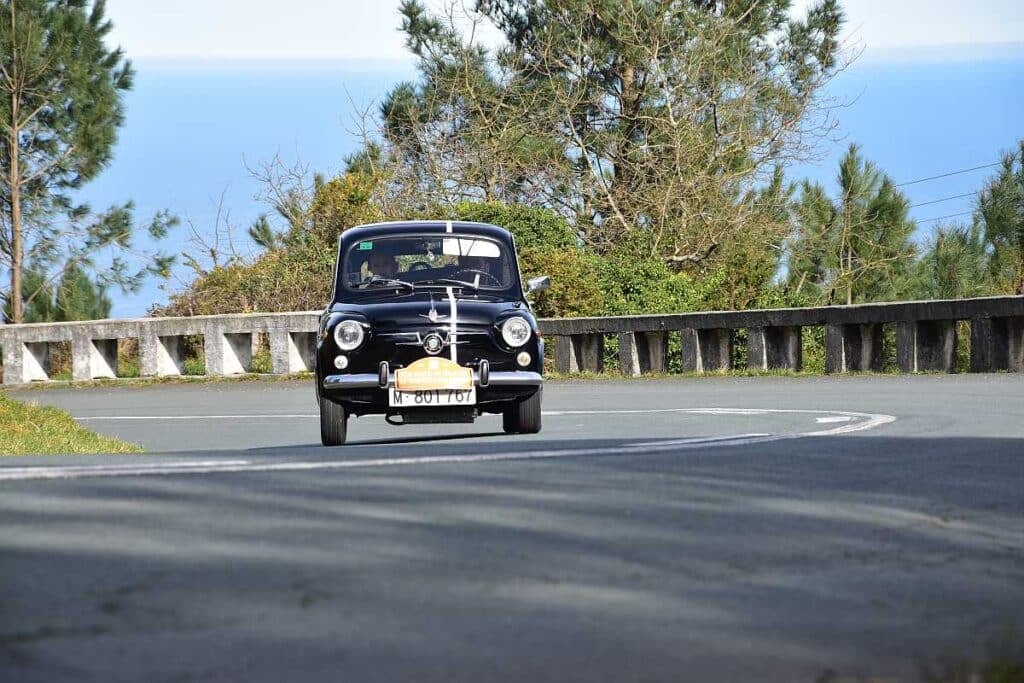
{"x":402,"y":348}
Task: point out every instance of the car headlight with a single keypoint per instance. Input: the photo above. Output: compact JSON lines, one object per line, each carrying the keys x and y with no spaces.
{"x":348,"y":335}
{"x":515,"y":331}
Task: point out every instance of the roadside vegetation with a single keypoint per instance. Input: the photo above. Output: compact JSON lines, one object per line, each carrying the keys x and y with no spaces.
{"x":638,"y":151}
{"x":639,"y":156}
{"x":28,"y":429}
{"x":62,"y":88}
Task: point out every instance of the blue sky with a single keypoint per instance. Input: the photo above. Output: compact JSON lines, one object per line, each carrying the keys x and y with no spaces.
{"x":943,"y":95}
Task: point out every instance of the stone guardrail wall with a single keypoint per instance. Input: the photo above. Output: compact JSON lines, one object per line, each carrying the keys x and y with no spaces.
{"x":926,"y":340}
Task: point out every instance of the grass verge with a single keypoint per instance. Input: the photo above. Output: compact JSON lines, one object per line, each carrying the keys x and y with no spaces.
{"x":28,"y":429}
{"x":744,"y":372}
{"x":549,"y":374}
{"x":155,"y":381}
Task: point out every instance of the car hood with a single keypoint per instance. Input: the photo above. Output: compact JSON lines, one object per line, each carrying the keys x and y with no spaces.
{"x":397,"y":315}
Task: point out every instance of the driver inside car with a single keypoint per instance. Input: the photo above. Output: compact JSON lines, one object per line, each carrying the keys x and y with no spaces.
{"x":381,"y":264}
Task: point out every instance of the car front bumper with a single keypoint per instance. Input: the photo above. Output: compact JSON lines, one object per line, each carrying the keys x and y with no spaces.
{"x":362,"y":393}
{"x":498,"y":379}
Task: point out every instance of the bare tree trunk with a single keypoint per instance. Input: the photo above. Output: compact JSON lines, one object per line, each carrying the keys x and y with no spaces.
{"x":849,"y":281}
{"x":847,"y":258}
{"x":14,"y":179}
{"x":17,"y":266}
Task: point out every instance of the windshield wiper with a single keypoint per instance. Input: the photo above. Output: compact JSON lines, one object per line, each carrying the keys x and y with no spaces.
{"x":377,"y":280}
{"x":453,"y":282}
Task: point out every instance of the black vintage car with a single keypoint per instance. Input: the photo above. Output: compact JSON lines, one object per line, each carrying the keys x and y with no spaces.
{"x":429,"y":323}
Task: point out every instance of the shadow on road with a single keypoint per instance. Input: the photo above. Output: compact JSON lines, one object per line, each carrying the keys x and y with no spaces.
{"x":772,"y":561}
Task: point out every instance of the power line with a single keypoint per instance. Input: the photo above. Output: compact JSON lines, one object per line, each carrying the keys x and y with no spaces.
{"x":946,"y":175}
{"x":944,"y":199}
{"x":952,"y":215}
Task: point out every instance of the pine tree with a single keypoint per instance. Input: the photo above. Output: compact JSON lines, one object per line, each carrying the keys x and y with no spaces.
{"x":857,"y":247}
{"x":42,"y":308}
{"x":648,"y":118}
{"x":79,"y":298}
{"x":1001,"y":217}
{"x":61,"y":105}
{"x":955,"y":264}
{"x":75,"y":297}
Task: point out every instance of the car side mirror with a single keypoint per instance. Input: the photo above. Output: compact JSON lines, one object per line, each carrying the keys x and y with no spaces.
{"x":537,"y":284}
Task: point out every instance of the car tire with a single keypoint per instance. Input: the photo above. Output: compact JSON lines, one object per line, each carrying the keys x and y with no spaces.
{"x":333,"y":423}
{"x":508,"y":420}
{"x":523,"y":417}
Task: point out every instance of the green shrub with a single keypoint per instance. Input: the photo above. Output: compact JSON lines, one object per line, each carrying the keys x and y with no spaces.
{"x":195,"y":366}
{"x":339,"y":204}
{"x":261,"y":359}
{"x":962,"y":362}
{"x":634,"y":285}
{"x":576,"y":289}
{"x":297,"y":275}
{"x":533,"y":228}
{"x":814,"y":349}
{"x":289,"y":279}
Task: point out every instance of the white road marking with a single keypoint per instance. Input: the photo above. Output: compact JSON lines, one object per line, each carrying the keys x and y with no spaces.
{"x":834,"y":415}
{"x":870,"y":422}
{"x":858,"y":422}
{"x":231,"y":466}
{"x":704,"y":440}
{"x":249,"y":416}
{"x":133,"y":467}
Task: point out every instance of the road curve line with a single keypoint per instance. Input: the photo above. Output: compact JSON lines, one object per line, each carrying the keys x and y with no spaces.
{"x":300,"y":466}
{"x":841,"y":415}
{"x":257,"y":416}
{"x":704,"y":440}
{"x":866,"y":421}
{"x":144,"y":467}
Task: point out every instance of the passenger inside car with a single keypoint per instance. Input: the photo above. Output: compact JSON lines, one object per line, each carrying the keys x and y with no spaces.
{"x":475,"y":263}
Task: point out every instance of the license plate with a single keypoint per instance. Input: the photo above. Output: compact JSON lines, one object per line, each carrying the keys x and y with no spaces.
{"x":425,"y":398}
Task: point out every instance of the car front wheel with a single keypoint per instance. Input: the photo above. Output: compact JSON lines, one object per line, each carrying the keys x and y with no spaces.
{"x":523,"y":417}
{"x":333,"y":423}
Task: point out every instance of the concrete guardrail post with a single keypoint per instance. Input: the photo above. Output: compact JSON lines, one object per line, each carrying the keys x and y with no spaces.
{"x":566,"y":355}
{"x":629,"y":354}
{"x":92,"y":358}
{"x":580,"y":353}
{"x":775,"y":348}
{"x":642,"y":353}
{"x":854,"y":348}
{"x":707,"y":350}
{"x":26,"y":361}
{"x":997,"y":344}
{"x":291,"y":351}
{"x":926,"y":346}
{"x":161,"y":356}
{"x":655,"y":344}
{"x":227,"y":353}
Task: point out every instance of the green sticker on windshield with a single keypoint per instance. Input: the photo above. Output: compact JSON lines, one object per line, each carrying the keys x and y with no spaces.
{"x":365,"y":246}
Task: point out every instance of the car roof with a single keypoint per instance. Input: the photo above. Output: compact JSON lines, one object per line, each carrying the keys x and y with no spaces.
{"x":372,"y":230}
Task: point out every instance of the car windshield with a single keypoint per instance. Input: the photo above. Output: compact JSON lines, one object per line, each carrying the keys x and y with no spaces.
{"x":466,"y":261}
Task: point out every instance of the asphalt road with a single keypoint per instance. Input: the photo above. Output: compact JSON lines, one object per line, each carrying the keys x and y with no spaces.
{"x":700,"y":529}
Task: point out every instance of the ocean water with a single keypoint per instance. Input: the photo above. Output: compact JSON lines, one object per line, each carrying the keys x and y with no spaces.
{"x":192,"y":129}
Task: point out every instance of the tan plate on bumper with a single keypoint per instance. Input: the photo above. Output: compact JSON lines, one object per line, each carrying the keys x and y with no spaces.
{"x":433,"y":373}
